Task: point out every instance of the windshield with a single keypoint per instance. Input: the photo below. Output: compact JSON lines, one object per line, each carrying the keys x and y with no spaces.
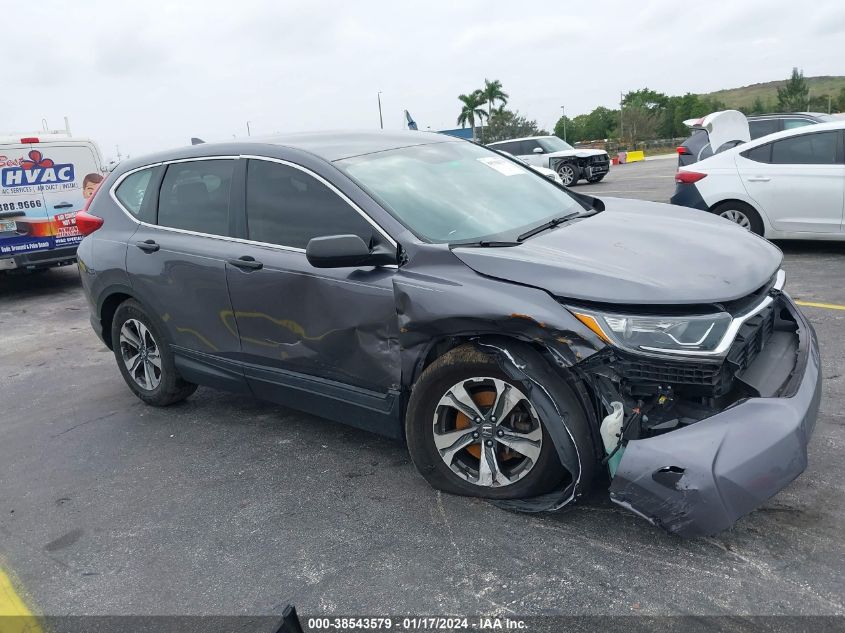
{"x":554,"y":144}
{"x":458,"y":192}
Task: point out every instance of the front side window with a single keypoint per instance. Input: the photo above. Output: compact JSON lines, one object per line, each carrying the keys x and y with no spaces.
{"x":454,"y":192}
{"x":807,"y":149}
{"x":528,"y":147}
{"x":132,"y":190}
{"x":789,"y":124}
{"x":288,"y":207}
{"x":195,"y":196}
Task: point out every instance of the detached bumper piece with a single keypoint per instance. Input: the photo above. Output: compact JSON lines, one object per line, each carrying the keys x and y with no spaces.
{"x":699,"y":479}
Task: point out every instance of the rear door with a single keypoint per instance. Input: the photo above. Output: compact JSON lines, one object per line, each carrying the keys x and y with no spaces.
{"x":24,"y":221}
{"x":798,"y":182}
{"x":176,"y":264}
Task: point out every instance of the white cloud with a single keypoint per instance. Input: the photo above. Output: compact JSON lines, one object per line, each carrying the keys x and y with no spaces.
{"x":149,"y":75}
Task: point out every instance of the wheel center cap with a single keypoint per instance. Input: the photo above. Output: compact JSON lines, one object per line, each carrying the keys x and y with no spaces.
{"x":487,"y":430}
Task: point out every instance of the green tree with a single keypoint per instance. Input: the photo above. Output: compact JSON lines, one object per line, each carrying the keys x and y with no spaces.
{"x":599,"y":124}
{"x":492,"y":92}
{"x":758,"y":107}
{"x":792,"y":96}
{"x":471,"y":110}
{"x":840,"y":102}
{"x":505,"y":124}
{"x":646,"y":99}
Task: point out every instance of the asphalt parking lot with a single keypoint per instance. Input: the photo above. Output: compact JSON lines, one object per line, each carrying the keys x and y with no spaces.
{"x":226,"y":505}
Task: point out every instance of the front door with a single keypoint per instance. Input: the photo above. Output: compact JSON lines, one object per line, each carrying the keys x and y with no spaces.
{"x":798,"y":182}
{"x":319,"y":339}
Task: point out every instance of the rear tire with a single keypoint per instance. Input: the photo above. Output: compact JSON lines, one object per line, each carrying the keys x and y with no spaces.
{"x":569,"y":173}
{"x":740,"y":213}
{"x":428,"y":428}
{"x":144,"y":358}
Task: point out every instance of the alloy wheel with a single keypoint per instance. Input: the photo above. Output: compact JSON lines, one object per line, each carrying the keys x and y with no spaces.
{"x":736,"y":216}
{"x":140,"y":353}
{"x":487,"y":432}
{"x":566,"y":173}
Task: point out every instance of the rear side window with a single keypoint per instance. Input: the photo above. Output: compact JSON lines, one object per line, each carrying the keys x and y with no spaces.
{"x":286,"y":206}
{"x":132,"y":190}
{"x":807,"y":149}
{"x":763,"y":127}
{"x":195,"y":196}
{"x":761,"y":154}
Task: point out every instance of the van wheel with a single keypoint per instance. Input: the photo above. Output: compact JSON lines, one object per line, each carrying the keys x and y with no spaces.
{"x":740,"y":213}
{"x":569,"y":173}
{"x":144,"y":359}
{"x":472,"y":431}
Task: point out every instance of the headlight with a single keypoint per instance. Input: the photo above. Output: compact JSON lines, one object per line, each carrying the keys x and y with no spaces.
{"x":674,"y":334}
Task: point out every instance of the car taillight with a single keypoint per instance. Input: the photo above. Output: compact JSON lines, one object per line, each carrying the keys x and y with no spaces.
{"x":30,"y":139}
{"x":86,"y":223}
{"x":688,"y":177}
{"x":683,"y":150}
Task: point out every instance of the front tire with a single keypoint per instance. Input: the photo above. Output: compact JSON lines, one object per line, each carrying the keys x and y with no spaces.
{"x":458,"y":443}
{"x":740,"y":213}
{"x":569,"y":173}
{"x":144,"y":358}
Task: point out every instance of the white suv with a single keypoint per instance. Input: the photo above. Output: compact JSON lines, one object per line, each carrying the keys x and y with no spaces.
{"x":549,"y":151}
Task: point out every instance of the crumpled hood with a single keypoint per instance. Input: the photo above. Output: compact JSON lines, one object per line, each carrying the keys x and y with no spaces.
{"x":636,"y":252}
{"x":581,"y":153}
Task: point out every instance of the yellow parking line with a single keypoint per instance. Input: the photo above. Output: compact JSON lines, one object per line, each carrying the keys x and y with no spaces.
{"x":827,"y":306}
{"x":15,"y":617}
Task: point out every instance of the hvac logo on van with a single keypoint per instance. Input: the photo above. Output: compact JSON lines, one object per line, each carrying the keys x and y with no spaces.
{"x":36,"y":170}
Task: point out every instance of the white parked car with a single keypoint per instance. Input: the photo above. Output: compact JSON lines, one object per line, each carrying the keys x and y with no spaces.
{"x":788,"y":185}
{"x":556,"y":154}
{"x":548,"y":173}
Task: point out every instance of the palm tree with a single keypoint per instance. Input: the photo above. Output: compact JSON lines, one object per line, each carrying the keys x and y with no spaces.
{"x":492,"y":92}
{"x":471,"y":110}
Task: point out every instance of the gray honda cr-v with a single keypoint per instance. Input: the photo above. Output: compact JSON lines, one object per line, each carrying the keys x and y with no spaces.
{"x":523,"y":339}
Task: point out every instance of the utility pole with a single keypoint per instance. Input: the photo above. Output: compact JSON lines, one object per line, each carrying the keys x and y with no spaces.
{"x":247,"y":129}
{"x":621,"y":123}
{"x":380,"y":119}
{"x":563,"y":111}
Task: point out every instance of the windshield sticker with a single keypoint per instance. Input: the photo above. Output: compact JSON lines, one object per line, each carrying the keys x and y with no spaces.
{"x":502,"y":165}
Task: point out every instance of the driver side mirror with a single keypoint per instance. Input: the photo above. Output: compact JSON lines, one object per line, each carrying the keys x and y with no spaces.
{"x":538,"y":150}
{"x":344,"y":251}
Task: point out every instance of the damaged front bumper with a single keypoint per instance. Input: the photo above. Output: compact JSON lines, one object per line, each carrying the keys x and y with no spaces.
{"x":698,"y":480}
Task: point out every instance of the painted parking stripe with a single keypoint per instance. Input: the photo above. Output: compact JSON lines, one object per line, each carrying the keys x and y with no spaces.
{"x":826,"y":306}
{"x":15,"y":617}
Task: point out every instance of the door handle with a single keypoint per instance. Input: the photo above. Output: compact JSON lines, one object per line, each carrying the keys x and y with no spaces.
{"x":148,"y":246}
{"x":246,"y":262}
{"x":63,"y":205}
{"x":758,"y":179}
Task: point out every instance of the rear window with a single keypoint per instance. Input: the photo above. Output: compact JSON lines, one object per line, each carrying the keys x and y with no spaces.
{"x":195,"y":196}
{"x":132,"y":190}
{"x":807,"y":149}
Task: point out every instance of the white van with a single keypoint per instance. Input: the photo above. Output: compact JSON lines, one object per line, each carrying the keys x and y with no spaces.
{"x":44,"y":181}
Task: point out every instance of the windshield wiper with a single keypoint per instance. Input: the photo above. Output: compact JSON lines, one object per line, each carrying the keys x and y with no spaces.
{"x":489,"y":243}
{"x":547,"y":225}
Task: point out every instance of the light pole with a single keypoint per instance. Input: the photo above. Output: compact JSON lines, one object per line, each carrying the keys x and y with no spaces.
{"x":247,"y":129}
{"x":380,"y":119}
{"x":563,"y":110}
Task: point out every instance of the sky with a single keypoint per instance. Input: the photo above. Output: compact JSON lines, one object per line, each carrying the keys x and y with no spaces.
{"x":146,"y":76}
